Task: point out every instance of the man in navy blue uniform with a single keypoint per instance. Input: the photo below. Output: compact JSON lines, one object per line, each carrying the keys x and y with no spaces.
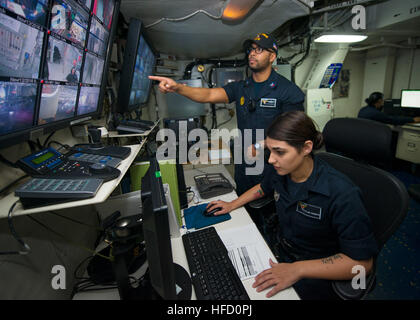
{"x":259,"y":99}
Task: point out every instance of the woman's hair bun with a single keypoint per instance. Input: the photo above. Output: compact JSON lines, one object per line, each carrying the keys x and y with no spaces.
{"x":318,"y":141}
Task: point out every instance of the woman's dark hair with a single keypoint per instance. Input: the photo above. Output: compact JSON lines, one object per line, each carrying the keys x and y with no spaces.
{"x":295,"y":127}
{"x":374,"y":97}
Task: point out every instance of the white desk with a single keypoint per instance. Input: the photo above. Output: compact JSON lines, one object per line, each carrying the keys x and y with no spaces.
{"x":103,"y":193}
{"x":240,"y":217}
{"x":408,"y":145}
{"x":115,"y":134}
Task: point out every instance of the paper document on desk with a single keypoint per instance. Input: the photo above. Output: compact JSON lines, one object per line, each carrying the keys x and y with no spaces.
{"x":247,"y":251}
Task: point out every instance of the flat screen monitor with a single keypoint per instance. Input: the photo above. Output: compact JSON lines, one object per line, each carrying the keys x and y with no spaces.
{"x":164,"y":274}
{"x":69,"y":20}
{"x":139,"y":61}
{"x":410,"y":99}
{"x":53,"y":66}
{"x":228,"y":75}
{"x":32,"y":10}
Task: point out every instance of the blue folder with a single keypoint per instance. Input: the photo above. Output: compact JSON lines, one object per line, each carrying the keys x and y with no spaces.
{"x":195,"y":219}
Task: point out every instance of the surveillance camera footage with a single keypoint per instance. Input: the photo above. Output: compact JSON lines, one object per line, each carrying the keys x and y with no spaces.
{"x":33,"y":10}
{"x":64,"y":61}
{"x":20,"y":49}
{"x":145,"y":61}
{"x":17,"y":105}
{"x":93,"y":68}
{"x":88,"y":100}
{"x":69,"y":20}
{"x":103,"y":10}
{"x":58,"y":102}
{"x":98,"y":38}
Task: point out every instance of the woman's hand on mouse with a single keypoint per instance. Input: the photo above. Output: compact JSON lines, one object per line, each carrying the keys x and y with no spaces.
{"x":226,"y":207}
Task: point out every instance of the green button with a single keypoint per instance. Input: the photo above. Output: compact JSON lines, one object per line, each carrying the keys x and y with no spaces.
{"x":158,"y":174}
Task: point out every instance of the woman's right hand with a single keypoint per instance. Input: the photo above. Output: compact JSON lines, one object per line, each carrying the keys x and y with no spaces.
{"x":165,"y":84}
{"x":226,"y":207}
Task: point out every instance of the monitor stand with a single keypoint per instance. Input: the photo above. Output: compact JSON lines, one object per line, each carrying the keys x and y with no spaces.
{"x":96,"y":147}
{"x":145,"y":290}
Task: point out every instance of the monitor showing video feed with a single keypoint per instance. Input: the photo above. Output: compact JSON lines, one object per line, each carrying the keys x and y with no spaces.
{"x":93,"y":69}
{"x":20,"y":48}
{"x":88,"y":99}
{"x":58,"y":102}
{"x":145,"y":61}
{"x":69,"y":20}
{"x":103,"y":9}
{"x":98,"y":38}
{"x":17,"y":106}
{"x":87,"y":3}
{"x":64,"y":61}
{"x":33,"y":10}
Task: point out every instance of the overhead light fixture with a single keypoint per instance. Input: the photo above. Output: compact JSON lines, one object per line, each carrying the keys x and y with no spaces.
{"x":340,"y":38}
{"x":238,"y":9}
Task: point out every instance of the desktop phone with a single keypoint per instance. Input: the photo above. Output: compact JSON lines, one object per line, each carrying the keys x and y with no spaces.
{"x":50,"y":163}
{"x":212,"y":185}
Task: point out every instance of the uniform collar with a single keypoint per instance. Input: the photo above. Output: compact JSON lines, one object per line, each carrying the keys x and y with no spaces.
{"x":318,"y":181}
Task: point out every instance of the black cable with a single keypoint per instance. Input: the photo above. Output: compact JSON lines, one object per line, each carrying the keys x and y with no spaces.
{"x":46,"y":140}
{"x":61,"y":236}
{"x":27,"y":249}
{"x":7,"y":162}
{"x":12,"y":183}
{"x":76,"y":221}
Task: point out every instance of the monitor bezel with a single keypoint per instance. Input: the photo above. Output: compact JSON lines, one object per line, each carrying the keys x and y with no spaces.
{"x":38,"y":130}
{"x":409,"y":107}
{"x":153,"y":195}
{"x":135,"y":32}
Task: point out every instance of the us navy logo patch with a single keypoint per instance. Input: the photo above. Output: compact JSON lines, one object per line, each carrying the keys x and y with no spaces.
{"x":309,"y":210}
{"x":268,"y":103}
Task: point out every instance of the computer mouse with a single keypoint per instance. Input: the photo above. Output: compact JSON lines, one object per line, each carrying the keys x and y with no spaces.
{"x":211,"y":212}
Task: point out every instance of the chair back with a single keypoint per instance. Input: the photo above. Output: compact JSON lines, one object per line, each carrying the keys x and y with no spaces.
{"x":385,"y":197}
{"x":360,"y":139}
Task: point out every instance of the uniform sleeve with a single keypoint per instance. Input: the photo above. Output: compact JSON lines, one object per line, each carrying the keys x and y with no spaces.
{"x":384,"y":118}
{"x":295,"y":99}
{"x":266,"y":182}
{"x":353,"y":227}
{"x":231,"y":89}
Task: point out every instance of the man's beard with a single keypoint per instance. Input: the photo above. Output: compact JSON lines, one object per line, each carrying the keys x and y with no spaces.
{"x":258,"y":68}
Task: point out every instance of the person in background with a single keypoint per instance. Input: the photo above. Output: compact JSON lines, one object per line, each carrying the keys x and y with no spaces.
{"x":373,"y":111}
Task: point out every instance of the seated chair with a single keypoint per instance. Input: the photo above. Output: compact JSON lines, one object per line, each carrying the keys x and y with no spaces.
{"x":385,"y":197}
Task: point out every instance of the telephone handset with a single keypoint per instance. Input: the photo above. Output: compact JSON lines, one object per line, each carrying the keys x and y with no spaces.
{"x":212,"y":185}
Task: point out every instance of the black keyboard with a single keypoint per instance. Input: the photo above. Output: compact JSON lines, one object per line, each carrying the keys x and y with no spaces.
{"x":212,"y":273}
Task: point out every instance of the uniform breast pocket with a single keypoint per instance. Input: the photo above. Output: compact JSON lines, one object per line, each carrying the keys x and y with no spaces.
{"x":309,"y":221}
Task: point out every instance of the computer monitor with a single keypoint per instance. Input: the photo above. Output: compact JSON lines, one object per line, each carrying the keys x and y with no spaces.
{"x":410,"y":102}
{"x":55,"y":55}
{"x":228,"y":75}
{"x":410,"y":99}
{"x":166,"y":278}
{"x":139,"y":61}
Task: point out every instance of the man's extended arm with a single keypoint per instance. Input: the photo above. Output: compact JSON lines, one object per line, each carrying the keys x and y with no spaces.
{"x":202,"y":95}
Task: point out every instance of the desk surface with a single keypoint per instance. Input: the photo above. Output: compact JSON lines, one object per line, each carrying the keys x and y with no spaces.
{"x":240,"y":217}
{"x":115,"y":134}
{"x":103,"y":193}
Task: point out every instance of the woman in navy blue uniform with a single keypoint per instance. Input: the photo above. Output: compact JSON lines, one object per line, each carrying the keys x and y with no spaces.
{"x":373,"y":111}
{"x":323,"y":228}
